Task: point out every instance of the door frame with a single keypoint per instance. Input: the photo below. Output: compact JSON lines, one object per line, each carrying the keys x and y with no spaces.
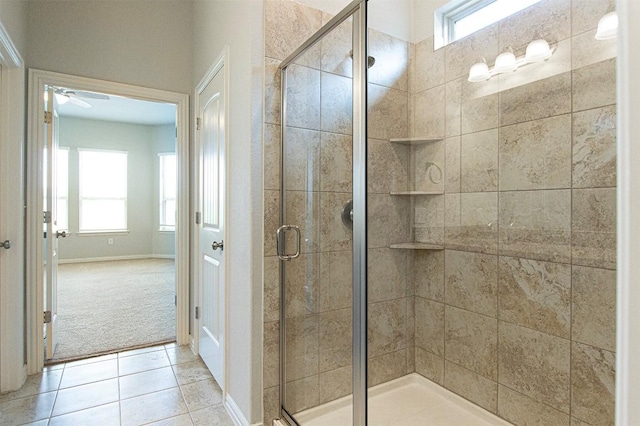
{"x":221,"y":63}
{"x":34,"y":253}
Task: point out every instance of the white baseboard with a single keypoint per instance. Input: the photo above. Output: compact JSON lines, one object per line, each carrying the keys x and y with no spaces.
{"x":234,"y":412}
{"x":112,"y":258}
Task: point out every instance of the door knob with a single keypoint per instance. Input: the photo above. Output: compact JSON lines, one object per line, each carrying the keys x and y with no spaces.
{"x":6,"y":244}
{"x":218,"y":245}
{"x":62,"y":234}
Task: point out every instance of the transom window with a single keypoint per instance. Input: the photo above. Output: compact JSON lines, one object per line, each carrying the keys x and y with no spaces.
{"x":103,"y":190}
{"x":460,"y":18}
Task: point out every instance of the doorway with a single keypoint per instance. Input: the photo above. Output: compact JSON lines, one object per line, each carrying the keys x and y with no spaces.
{"x":81,"y":221}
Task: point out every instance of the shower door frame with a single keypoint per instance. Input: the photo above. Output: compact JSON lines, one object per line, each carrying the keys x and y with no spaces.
{"x":358,"y":10}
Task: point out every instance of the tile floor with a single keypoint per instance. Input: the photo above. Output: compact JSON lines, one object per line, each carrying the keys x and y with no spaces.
{"x":160,"y":385}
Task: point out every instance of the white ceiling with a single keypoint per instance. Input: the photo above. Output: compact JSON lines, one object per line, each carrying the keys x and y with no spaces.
{"x":124,"y":110}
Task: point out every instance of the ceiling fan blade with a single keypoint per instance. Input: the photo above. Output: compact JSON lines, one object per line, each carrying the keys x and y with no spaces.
{"x":90,"y":95}
{"x":79,"y":102}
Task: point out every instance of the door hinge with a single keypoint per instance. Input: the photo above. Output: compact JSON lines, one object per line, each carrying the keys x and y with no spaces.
{"x":48,"y":117}
{"x":47,"y":317}
{"x":198,"y":121}
{"x":198,"y":218}
{"x":47,"y":217}
{"x":197,"y":312}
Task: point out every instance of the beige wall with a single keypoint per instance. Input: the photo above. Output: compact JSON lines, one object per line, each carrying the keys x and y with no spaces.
{"x":13,"y":15}
{"x":144,"y":43}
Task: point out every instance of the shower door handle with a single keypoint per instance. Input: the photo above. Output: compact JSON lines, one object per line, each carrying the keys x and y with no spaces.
{"x":280,"y":235}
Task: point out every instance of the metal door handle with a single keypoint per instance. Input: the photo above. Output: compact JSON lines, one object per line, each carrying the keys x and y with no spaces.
{"x":218,"y":245}
{"x":62,"y":234}
{"x":6,"y":244}
{"x":280,"y":233}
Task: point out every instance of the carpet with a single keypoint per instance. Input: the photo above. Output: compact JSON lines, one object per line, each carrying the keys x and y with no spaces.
{"x":109,"y":306}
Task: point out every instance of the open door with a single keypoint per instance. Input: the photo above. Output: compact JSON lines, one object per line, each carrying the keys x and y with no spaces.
{"x":211,"y":229}
{"x":51,"y":233}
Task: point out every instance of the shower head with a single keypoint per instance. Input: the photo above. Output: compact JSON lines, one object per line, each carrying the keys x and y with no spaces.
{"x":370,"y":59}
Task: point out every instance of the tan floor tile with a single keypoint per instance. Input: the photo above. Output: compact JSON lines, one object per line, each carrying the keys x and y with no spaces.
{"x":90,"y":360}
{"x":152,"y":407}
{"x":89,"y":373}
{"x":202,"y":394}
{"x":190,"y":372}
{"x":181,"y":354}
{"x":140,"y":351}
{"x":143,"y":362}
{"x":25,"y":410}
{"x":182,"y":420}
{"x":86,"y":396}
{"x":147,"y":382}
{"x":47,"y":381}
{"x":212,"y":416}
{"x":104,"y":415}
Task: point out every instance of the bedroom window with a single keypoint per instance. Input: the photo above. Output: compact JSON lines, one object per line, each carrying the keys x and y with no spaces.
{"x":62,"y":188}
{"x":460,"y":18}
{"x":103,"y":190}
{"x":167,"y":191}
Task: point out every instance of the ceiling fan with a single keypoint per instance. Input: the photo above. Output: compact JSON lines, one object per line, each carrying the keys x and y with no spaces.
{"x":74,"y":96}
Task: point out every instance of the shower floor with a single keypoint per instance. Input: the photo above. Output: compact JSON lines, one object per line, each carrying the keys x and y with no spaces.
{"x":411,"y":400}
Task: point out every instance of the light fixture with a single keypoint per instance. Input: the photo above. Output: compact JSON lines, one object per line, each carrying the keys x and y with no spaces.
{"x":607,"y":26}
{"x":479,"y":71}
{"x":62,"y":99}
{"x":505,"y":62}
{"x":537,"y":50}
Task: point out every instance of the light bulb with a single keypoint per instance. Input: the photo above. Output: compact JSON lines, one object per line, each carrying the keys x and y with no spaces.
{"x":607,"y":26}
{"x":537,"y":50}
{"x":505,"y":62}
{"x":479,"y":72}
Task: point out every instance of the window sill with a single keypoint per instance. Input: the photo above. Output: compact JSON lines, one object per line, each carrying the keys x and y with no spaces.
{"x":101,"y":233}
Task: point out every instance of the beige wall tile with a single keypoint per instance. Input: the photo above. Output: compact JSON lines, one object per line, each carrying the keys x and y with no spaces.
{"x":452,"y":164}
{"x":303,"y":210}
{"x":387,"y":274}
{"x":271,"y":306}
{"x":586,"y":50}
{"x":411,"y":331}
{"x":302,"y":162}
{"x":549,"y":19}
{"x":387,"y":327}
{"x":471,"y":341}
{"x":429,"y":326}
{"x":429,"y":112}
{"x":271,"y":221}
{"x":391,"y":68}
{"x":430,"y":366}
{"x":388,"y":166}
{"x":388,"y":220}
{"x":536,"y":225}
{"x":334,"y":235}
{"x":271,"y":354}
{"x":480,"y":107}
{"x":594,"y":85}
{"x":287,"y":26}
{"x":461,"y":54}
{"x":302,"y":394}
{"x":540,"y":99}
{"x":271,"y":91}
{"x":428,"y":166}
{"x":429,"y":274}
{"x":536,"y":294}
{"x":335,"y":384}
{"x":271,"y":157}
{"x":429,"y":66}
{"x":587,"y":13}
{"x":388,"y":113}
{"x":301,"y":285}
{"x":476,"y":388}
{"x":335,"y":49}
{"x":271,"y":405}
{"x":594,"y":227}
{"x":594,"y":148}
{"x":593,"y":384}
{"x":431,"y":229}
{"x":335,"y":339}
{"x":336,"y":163}
{"x":535,"y":364}
{"x":386,"y":367}
{"x":477,"y":229}
{"x":594,"y":307}
{"x":336,"y":104}
{"x":302,"y":347}
{"x":303,"y":97}
{"x":453,"y":105}
{"x":471,"y":281}
{"x":335,"y":280}
{"x":479,"y":161}
{"x":522,"y":410}
{"x":536,"y":154}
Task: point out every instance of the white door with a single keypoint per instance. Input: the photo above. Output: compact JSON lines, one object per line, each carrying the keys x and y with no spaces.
{"x":212,"y":207}
{"x":51,"y":227}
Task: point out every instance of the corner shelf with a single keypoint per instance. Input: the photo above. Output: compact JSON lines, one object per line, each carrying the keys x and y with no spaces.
{"x":415,"y":141}
{"x":416,"y":246}
{"x":417,"y":193}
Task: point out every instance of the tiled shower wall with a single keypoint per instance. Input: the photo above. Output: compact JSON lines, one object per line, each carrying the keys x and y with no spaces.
{"x":517,"y":314}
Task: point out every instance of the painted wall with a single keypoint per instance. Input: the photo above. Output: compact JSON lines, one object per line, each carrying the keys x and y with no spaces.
{"x":145,"y":43}
{"x":238,"y":24}
{"x":13,"y":16}
{"x":142,"y":144}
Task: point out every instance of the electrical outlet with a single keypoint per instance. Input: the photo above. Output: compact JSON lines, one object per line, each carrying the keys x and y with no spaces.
{"x":420,"y":216}
{"x":110,"y":241}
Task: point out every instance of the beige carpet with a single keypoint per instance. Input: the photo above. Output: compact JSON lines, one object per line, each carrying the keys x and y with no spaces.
{"x":107,"y":306}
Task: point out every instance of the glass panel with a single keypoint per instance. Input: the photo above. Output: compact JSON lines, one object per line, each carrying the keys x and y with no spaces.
{"x":318,"y":186}
{"x":103,"y":215}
